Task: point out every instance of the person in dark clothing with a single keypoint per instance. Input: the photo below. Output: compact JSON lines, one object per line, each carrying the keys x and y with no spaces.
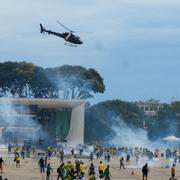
{"x":9,"y":148}
{"x":91,"y":170}
{"x":1,"y":162}
{"x":127,"y":159}
{"x":122,"y":163}
{"x":48,"y":171}
{"x":145,"y":170}
{"x":77,"y":163}
{"x":45,"y":161}
{"x":42,"y":165}
{"x":72,"y":151}
{"x":91,"y":157}
{"x":61,"y":156}
{"x":60,"y":171}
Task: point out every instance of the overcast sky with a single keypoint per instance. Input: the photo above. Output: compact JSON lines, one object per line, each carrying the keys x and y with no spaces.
{"x":135,"y":44}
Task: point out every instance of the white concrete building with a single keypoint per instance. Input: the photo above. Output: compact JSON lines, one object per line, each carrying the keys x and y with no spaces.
{"x":63,"y":119}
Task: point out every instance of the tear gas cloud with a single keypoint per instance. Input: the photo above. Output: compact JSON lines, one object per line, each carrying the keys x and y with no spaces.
{"x":129,"y":136}
{"x":17,"y":121}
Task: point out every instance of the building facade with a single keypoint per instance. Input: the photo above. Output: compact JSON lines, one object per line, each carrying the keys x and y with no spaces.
{"x":59,"y":119}
{"x":150,"y":108}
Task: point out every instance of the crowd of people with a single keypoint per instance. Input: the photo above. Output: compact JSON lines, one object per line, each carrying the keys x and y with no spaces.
{"x":78,"y":169}
{"x":75,"y":171}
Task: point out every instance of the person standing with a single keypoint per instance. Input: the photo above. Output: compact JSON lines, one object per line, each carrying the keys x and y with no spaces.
{"x":1,"y":162}
{"x":145,"y":171}
{"x":72,"y":151}
{"x":91,"y":170}
{"x":9,"y":148}
{"x":101,"y":169}
{"x":122,"y":163}
{"x":17,"y":160}
{"x":127,"y":159}
{"x":82,"y":169}
{"x":41,"y":164}
{"x":61,"y":156}
{"x":91,"y":157}
{"x":173,"y":171}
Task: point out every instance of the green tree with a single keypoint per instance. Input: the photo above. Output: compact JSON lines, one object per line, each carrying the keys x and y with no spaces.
{"x":76,"y":82}
{"x":102,"y":117}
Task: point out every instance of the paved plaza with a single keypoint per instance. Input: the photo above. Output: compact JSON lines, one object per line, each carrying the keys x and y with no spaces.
{"x":29,"y":169}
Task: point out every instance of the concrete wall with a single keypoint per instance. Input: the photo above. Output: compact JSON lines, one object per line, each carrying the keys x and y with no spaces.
{"x":76,"y":132}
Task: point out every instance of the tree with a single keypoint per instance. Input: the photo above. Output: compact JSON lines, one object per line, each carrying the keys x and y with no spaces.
{"x":15,"y":77}
{"x":40,"y":85}
{"x":102,"y":117}
{"x":76,"y":82}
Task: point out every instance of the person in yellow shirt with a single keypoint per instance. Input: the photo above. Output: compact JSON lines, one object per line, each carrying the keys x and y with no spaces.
{"x":173,"y":171}
{"x":17,"y":159}
{"x":101,"y":167}
{"x":82,"y":169}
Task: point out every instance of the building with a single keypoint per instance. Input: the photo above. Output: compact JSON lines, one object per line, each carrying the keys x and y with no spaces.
{"x":21,"y":118}
{"x":150,"y":108}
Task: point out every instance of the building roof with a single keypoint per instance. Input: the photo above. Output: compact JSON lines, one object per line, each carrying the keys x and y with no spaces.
{"x":43,"y":103}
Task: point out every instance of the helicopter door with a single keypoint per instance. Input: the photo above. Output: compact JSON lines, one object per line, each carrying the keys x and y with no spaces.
{"x":68,"y":36}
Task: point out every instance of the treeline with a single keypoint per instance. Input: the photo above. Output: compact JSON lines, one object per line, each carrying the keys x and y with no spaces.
{"x":167,"y":123}
{"x":22,"y":79}
{"x":100,"y":119}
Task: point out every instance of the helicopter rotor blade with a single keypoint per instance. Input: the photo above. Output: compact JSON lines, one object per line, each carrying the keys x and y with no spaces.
{"x":64,"y":26}
{"x":81,"y":32}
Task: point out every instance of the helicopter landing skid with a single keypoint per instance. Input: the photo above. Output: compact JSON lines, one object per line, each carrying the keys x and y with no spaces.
{"x":70,"y":44}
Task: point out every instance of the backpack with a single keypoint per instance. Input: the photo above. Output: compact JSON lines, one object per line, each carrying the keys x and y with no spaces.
{"x":58,"y":170}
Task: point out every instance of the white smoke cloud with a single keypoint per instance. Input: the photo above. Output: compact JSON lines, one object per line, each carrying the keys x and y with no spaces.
{"x":17,"y":123}
{"x":128,"y":136}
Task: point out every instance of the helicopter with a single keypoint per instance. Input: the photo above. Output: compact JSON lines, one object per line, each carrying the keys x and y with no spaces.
{"x":70,"y":38}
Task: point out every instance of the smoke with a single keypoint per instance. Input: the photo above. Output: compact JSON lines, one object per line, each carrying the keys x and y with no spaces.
{"x":129,"y":136}
{"x":18,"y":124}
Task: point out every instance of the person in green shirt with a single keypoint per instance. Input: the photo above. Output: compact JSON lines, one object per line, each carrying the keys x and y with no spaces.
{"x":48,"y":171}
{"x":107,"y":173}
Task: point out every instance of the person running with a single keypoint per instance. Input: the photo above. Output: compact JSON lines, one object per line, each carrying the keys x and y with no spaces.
{"x":48,"y":171}
{"x":1,"y":162}
{"x":60,"y":171}
{"x":122,"y":163}
{"x":173,"y":171}
{"x":101,"y":169}
{"x":107,"y":173}
{"x":41,"y":164}
{"x":145,"y":171}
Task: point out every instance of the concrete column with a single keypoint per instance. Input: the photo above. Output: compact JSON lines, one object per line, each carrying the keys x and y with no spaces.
{"x":76,"y":132}
{"x":1,"y":131}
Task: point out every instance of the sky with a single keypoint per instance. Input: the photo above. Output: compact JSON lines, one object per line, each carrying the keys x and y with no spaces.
{"x":135,"y":45}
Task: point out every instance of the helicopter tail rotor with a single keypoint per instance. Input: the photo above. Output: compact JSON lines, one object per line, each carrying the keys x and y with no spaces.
{"x":41,"y":28}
